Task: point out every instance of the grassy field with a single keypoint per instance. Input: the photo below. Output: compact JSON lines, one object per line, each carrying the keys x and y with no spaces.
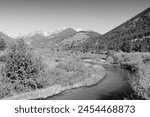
{"x":48,"y":53}
{"x":139,"y":65}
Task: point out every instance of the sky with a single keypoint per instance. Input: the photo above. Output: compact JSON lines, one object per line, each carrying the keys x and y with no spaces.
{"x":24,"y":16}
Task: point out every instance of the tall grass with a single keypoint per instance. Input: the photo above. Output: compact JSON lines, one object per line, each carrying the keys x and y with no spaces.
{"x":69,"y":71}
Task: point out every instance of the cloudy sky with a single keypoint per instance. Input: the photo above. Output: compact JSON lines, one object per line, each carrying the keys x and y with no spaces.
{"x":24,"y":16}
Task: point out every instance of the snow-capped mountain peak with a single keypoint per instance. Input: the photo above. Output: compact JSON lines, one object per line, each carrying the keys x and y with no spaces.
{"x":56,"y":31}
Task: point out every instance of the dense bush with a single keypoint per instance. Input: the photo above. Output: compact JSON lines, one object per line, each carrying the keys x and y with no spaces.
{"x":3,"y":56}
{"x":71,"y":63}
{"x":2,"y":44}
{"x":22,"y":72}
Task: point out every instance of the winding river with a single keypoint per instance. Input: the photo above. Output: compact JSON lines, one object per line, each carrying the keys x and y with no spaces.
{"x":114,"y":86}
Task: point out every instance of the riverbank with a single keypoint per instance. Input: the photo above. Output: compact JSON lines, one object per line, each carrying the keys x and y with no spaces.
{"x":139,"y":66}
{"x":98,"y":74}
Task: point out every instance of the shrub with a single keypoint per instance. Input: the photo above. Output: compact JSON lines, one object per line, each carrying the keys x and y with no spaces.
{"x":69,"y":71}
{"x":22,"y":72}
{"x":140,"y":64}
{"x":2,"y":56}
{"x":2,"y":44}
{"x":72,"y":64}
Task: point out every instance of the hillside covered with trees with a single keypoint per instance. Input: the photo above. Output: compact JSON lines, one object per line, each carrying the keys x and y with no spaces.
{"x":133,"y":35}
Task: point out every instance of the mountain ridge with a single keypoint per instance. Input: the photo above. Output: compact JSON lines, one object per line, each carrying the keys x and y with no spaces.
{"x":131,"y":35}
{"x":147,"y":10}
{"x":59,"y":39}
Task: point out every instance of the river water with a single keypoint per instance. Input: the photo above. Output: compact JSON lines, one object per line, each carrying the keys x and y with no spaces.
{"x":114,"y":86}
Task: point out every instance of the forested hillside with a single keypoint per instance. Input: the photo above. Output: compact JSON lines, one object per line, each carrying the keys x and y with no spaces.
{"x":133,"y":35}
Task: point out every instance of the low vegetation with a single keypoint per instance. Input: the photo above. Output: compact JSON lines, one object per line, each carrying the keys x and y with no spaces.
{"x":68,"y":74}
{"x":139,"y":65}
{"x":69,"y":71}
{"x":24,"y":71}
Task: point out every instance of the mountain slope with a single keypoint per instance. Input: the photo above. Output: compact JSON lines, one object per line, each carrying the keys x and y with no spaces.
{"x":139,"y":24}
{"x":58,"y":37}
{"x":132,"y":35}
{"x":39,"y":40}
{"x":64,"y":39}
{"x":73,"y":42}
{"x":65,"y":33}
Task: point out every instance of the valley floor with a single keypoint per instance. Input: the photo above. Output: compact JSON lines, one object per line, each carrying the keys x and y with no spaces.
{"x":58,"y":88}
{"x":64,"y":71}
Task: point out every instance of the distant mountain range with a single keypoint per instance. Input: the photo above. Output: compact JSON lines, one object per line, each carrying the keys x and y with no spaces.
{"x":62,"y":39}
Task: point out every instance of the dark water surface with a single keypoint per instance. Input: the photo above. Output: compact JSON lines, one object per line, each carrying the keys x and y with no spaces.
{"x":114,"y":86}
